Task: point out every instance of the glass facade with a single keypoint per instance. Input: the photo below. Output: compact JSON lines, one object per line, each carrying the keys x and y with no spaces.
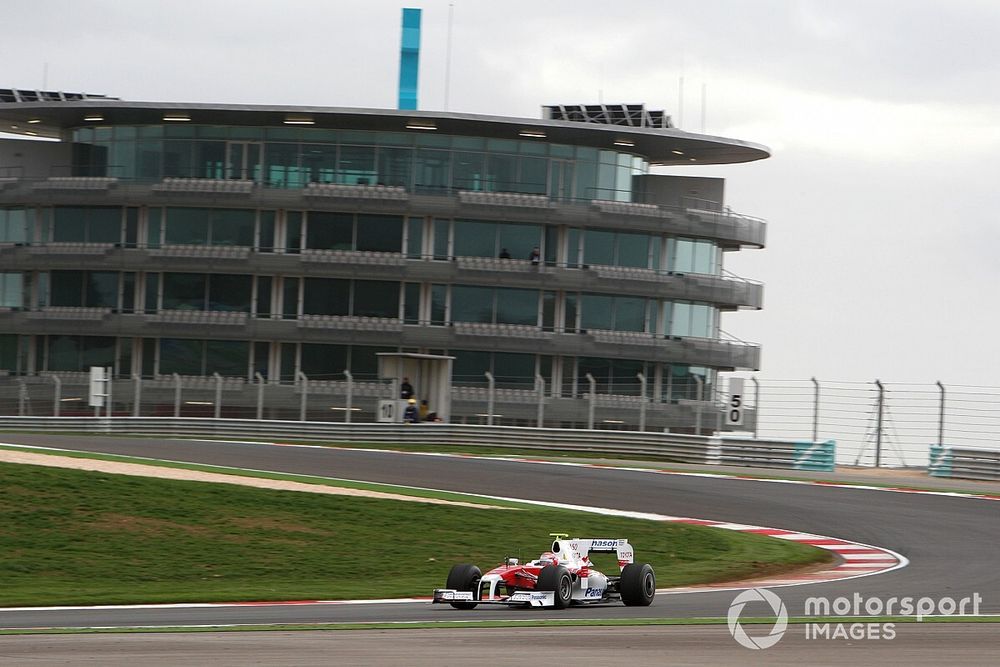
{"x":287,"y":265}
{"x":294,"y":157}
{"x":11,"y":289}
{"x":363,"y":298}
{"x":15,"y":224}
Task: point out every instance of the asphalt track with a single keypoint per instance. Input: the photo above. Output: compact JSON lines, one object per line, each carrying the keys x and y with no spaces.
{"x":914,"y":645}
{"x":951,"y":542}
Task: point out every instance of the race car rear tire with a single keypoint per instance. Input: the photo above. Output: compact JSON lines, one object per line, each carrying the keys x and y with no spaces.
{"x":464,"y":577}
{"x":637,"y":585}
{"x":557,"y":579}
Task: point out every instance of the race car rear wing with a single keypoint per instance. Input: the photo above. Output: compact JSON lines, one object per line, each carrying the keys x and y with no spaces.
{"x":575,"y":548}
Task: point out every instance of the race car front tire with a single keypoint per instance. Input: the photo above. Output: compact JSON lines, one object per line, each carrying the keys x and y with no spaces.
{"x":637,"y":584}
{"x":464,"y":577}
{"x":557,"y":579}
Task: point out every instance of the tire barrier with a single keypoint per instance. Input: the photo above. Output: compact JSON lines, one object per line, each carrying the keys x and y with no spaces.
{"x":948,"y":461}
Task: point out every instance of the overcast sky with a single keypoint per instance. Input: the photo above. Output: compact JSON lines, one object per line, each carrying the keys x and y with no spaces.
{"x":883,"y":118}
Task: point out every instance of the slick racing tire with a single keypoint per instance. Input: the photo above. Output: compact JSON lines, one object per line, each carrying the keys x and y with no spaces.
{"x":464,"y":577}
{"x":637,"y":585}
{"x":556,"y":578}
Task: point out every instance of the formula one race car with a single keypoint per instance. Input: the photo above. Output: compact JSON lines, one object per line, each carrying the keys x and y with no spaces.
{"x":559,"y":578}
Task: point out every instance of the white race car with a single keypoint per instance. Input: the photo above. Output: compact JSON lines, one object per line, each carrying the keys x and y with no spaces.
{"x":558,"y":578}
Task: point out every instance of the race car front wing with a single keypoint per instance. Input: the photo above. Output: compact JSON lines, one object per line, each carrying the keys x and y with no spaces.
{"x":518,"y":598}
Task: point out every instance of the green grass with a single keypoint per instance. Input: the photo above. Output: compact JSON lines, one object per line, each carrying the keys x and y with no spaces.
{"x":73,"y":537}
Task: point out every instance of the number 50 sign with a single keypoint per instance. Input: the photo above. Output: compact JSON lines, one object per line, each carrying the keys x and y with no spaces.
{"x":734,"y":404}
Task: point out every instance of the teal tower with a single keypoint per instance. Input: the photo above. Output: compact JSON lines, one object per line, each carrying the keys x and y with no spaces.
{"x":409,"y":59}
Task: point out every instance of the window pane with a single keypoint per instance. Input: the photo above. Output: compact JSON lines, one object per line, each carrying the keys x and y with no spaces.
{"x":468,"y":171}
{"x":102,"y":289}
{"x":514,"y":371}
{"x":469,"y":367}
{"x":96,"y":351}
{"x":517,"y":306}
{"x":438,"y":298}
{"x":178,"y":355}
{"x":187,"y":226}
{"x":184,"y":291}
{"x":229,"y":292}
{"x":68,"y":226}
{"x":475,"y":239}
{"x":380,"y":233}
{"x":324,"y":362}
{"x":501,"y":173}
{"x":326,"y":296}
{"x":394,"y":166}
{"x":364,"y":362}
{"x":598,"y":247}
{"x":11,"y":290}
{"x":330,"y":231}
{"x":630,"y":314}
{"x":415,"y":238}
{"x":471,"y":304}
{"x":599,"y":368}
{"x":596,"y":312}
{"x":533,"y":175}
{"x":104,"y":225}
{"x":376,"y":298}
{"x":66,"y":288}
{"x":431,"y":170}
{"x":227,"y":357}
{"x":209,"y":159}
{"x":411,"y":303}
{"x":623,"y":377}
{"x":680,"y":323}
{"x":320,"y":162}
{"x":633,"y":250}
{"x":233,"y":227}
{"x":14,"y":225}
{"x":357,"y":165}
{"x":282,"y":166}
{"x":520,"y":240}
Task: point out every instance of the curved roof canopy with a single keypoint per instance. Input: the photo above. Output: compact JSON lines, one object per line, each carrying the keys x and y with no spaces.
{"x":661,"y":146}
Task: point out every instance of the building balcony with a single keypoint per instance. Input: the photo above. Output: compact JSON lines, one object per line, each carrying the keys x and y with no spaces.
{"x":709,"y":352}
{"x":729,"y":229}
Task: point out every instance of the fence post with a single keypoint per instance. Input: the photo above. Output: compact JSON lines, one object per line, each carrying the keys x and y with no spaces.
{"x":218,"y":395}
{"x":878,"y":427}
{"x":57,"y":398}
{"x":137,"y":391}
{"x":305,"y":394}
{"x":756,"y":405}
{"x":177,"y":395}
{"x":260,"y":395}
{"x":22,"y":395}
{"x":697,"y":419}
{"x":815,"y":410}
{"x":642,"y":401}
{"x":593,"y":398}
{"x":940,"y":440}
{"x":108,"y":380}
{"x":540,"y":388}
{"x":490,"y":396}
{"x":350,"y":395}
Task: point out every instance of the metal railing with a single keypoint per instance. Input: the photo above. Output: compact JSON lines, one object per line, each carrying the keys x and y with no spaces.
{"x":676,"y":448}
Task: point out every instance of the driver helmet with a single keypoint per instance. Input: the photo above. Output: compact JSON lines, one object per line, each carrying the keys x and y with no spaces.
{"x":548,"y":558}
